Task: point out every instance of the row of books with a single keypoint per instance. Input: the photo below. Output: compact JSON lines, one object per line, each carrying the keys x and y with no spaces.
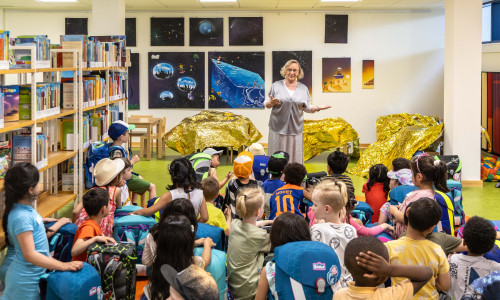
{"x":117,"y":86}
{"x":94,"y":90}
{"x":97,"y":51}
{"x":22,"y":149}
{"x":23,"y":56}
{"x":4,"y":49}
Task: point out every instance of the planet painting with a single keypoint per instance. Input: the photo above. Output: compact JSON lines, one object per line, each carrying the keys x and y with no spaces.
{"x":176,"y":79}
{"x":167,"y":31}
{"x":246,"y":31}
{"x":206,"y":31}
{"x":163,"y":71}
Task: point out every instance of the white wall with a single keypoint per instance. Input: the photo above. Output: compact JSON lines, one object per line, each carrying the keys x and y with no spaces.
{"x":408,"y":49}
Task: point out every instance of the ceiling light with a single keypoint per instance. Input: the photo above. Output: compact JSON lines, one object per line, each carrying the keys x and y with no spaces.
{"x":218,"y":0}
{"x":58,"y":0}
{"x":340,"y":0}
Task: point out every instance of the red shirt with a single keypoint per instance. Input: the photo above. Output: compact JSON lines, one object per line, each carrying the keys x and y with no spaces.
{"x":375,"y":197}
{"x":87,"y":230}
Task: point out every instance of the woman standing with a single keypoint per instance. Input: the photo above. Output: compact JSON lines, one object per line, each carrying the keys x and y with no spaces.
{"x":289,"y":99}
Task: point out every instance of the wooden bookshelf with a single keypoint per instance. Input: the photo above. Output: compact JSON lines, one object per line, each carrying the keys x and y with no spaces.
{"x":64,"y":112}
{"x":9,"y":126}
{"x":57,"y":157}
{"x":50,"y":70}
{"x":49,"y":205}
{"x":17,"y":71}
{"x":95,"y":106}
{"x":116,"y":101}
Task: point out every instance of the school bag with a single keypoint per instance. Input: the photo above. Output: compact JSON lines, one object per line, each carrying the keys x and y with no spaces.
{"x":133,"y":229}
{"x":116,"y":265}
{"x":363,"y":212}
{"x":447,"y":222}
{"x":306,"y":270}
{"x":215,"y":233}
{"x":453,"y":164}
{"x":80,"y":285}
{"x":259,"y":167}
{"x":455,"y":193}
{"x":201,"y":164}
{"x":61,"y":242}
{"x":125,"y":210}
{"x":96,"y":152}
{"x":216,"y":268}
{"x":157,"y":214}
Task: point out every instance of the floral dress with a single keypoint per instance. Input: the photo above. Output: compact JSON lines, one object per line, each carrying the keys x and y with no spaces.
{"x":107,"y":222}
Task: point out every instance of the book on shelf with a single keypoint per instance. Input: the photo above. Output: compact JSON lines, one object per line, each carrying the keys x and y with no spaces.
{"x":48,"y":98}
{"x":4,"y":49}
{"x":68,"y":93}
{"x":5,"y":157}
{"x":67,"y":182}
{"x":74,"y":41}
{"x":67,"y":133}
{"x":10,"y":102}
{"x":23,"y":56}
{"x":1,"y":109}
{"x":22,"y":150}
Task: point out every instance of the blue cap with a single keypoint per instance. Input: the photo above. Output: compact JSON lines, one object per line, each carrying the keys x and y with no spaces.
{"x":118,"y":128}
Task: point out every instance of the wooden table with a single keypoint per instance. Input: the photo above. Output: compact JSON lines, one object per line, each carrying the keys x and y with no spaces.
{"x":149,"y":124}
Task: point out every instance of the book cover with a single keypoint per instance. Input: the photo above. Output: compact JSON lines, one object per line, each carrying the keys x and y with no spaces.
{"x":21,"y":149}
{"x":11,"y":102}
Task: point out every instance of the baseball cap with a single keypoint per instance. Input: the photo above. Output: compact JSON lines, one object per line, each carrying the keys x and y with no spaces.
{"x":242,"y":165}
{"x":192,"y":282}
{"x":282,"y":155}
{"x":117,"y":128}
{"x":276,"y":165}
{"x":212,"y":151}
{"x":404,"y":176}
{"x":256,"y":149}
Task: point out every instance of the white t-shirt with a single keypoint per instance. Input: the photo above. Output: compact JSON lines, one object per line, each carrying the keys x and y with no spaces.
{"x":195,"y":196}
{"x":464,"y":269}
{"x":336,"y":236}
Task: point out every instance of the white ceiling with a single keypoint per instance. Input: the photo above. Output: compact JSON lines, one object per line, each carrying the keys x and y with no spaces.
{"x":267,"y":5}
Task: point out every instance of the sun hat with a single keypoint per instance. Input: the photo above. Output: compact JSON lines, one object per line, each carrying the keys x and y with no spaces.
{"x":242,"y":165}
{"x":256,"y":149}
{"x":403,"y":175}
{"x":192,"y":283}
{"x":106,"y":170}
{"x":212,"y":151}
{"x":117,"y":128}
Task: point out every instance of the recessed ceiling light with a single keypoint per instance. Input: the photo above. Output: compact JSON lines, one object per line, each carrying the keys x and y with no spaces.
{"x":340,"y":0}
{"x":58,"y":0}
{"x":218,"y":0}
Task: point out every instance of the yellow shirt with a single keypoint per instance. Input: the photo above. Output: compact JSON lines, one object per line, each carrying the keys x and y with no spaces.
{"x":216,"y":217}
{"x":406,"y":251}
{"x":401,"y":291}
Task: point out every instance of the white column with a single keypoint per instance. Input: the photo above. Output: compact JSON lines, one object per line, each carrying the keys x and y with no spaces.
{"x":108,"y":17}
{"x":2,"y":19}
{"x":462,"y":85}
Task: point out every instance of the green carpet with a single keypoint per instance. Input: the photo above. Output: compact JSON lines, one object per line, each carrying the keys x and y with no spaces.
{"x":476,"y":201}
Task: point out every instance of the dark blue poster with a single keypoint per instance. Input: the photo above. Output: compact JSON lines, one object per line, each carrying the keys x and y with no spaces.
{"x":236,"y":80}
{"x":176,"y":79}
{"x":133,"y":82}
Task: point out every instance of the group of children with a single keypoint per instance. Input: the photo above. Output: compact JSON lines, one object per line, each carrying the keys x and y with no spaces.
{"x":257,"y":216}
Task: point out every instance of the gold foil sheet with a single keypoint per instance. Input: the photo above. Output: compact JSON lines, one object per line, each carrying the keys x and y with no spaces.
{"x":212,"y":128}
{"x":398,"y":135}
{"x":322,"y":135}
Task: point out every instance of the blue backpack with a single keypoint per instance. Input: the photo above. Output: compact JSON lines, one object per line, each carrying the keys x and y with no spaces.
{"x":157,"y":214}
{"x":259,"y":167}
{"x":363,"y":211}
{"x":306,"y":270}
{"x":447,"y":223}
{"x":96,"y":152}
{"x":217,"y":268}
{"x":80,"y":285}
{"x":215,"y":233}
{"x":61,"y":242}
{"x":133,"y":229}
{"x":456,"y":195}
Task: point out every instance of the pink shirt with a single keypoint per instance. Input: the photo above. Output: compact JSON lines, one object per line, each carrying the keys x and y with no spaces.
{"x":410,"y":198}
{"x":360,"y":229}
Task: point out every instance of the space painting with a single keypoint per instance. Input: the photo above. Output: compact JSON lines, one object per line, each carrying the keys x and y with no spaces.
{"x":167,"y":31}
{"x":206,"y":32}
{"x":176,"y":79}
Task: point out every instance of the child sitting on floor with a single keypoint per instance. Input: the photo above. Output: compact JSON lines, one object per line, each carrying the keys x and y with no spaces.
{"x":366,"y":259}
{"x":276,"y":165}
{"x":376,"y":189}
{"x":216,"y":217}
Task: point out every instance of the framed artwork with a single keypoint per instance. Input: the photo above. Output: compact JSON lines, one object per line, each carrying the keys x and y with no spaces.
{"x":76,"y":26}
{"x":206,"y":32}
{"x":130,"y":31}
{"x":236,"y":80}
{"x":368,"y":77}
{"x":336,"y":29}
{"x":246,"y":31}
{"x":336,"y":75}
{"x":303,"y":57}
{"x":167,"y":31}
{"x":133,"y":82}
{"x":176,"y":79}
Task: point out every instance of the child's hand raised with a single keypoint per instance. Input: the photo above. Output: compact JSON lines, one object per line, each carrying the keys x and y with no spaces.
{"x":134,"y":159}
{"x":229,"y":175}
{"x":374,"y":263}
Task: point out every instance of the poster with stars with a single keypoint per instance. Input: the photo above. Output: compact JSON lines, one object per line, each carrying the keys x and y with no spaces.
{"x":246,"y":31}
{"x":176,"y":79}
{"x":303,"y":57}
{"x":206,"y":32}
{"x":236,"y":80}
{"x":167,"y":31}
{"x":336,"y":29}
{"x":336,"y":75}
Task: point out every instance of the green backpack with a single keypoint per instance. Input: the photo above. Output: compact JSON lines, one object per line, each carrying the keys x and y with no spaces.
{"x":116,"y":265}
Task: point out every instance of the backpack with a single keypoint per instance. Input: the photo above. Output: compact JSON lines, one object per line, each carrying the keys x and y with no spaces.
{"x":456,"y":194}
{"x":453,"y":164}
{"x":133,"y":229}
{"x":61,"y":242}
{"x":306,"y":270}
{"x":157,"y":214}
{"x":96,"y":152}
{"x":116,"y":265}
{"x":259,"y":167}
{"x":201,"y":164}
{"x":80,"y":285}
{"x":447,"y":223}
{"x":363,"y":211}
{"x":216,"y":268}
{"x":215,"y":233}
{"x":125,"y":210}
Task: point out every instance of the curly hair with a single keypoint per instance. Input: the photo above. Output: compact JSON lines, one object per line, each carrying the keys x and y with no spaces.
{"x":294,"y":173}
{"x":182,"y":175}
{"x":378,"y":173}
{"x":479,"y":235}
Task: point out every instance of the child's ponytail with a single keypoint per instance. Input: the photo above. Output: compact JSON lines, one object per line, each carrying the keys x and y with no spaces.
{"x":441,"y":172}
{"x":248,"y":201}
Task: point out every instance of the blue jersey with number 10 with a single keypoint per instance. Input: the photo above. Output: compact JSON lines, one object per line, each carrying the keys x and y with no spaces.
{"x":286,"y":199}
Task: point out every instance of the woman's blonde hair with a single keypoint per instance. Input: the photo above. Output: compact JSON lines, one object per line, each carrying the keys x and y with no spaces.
{"x":331,"y":192}
{"x":248,"y":201}
{"x":287,"y":64}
